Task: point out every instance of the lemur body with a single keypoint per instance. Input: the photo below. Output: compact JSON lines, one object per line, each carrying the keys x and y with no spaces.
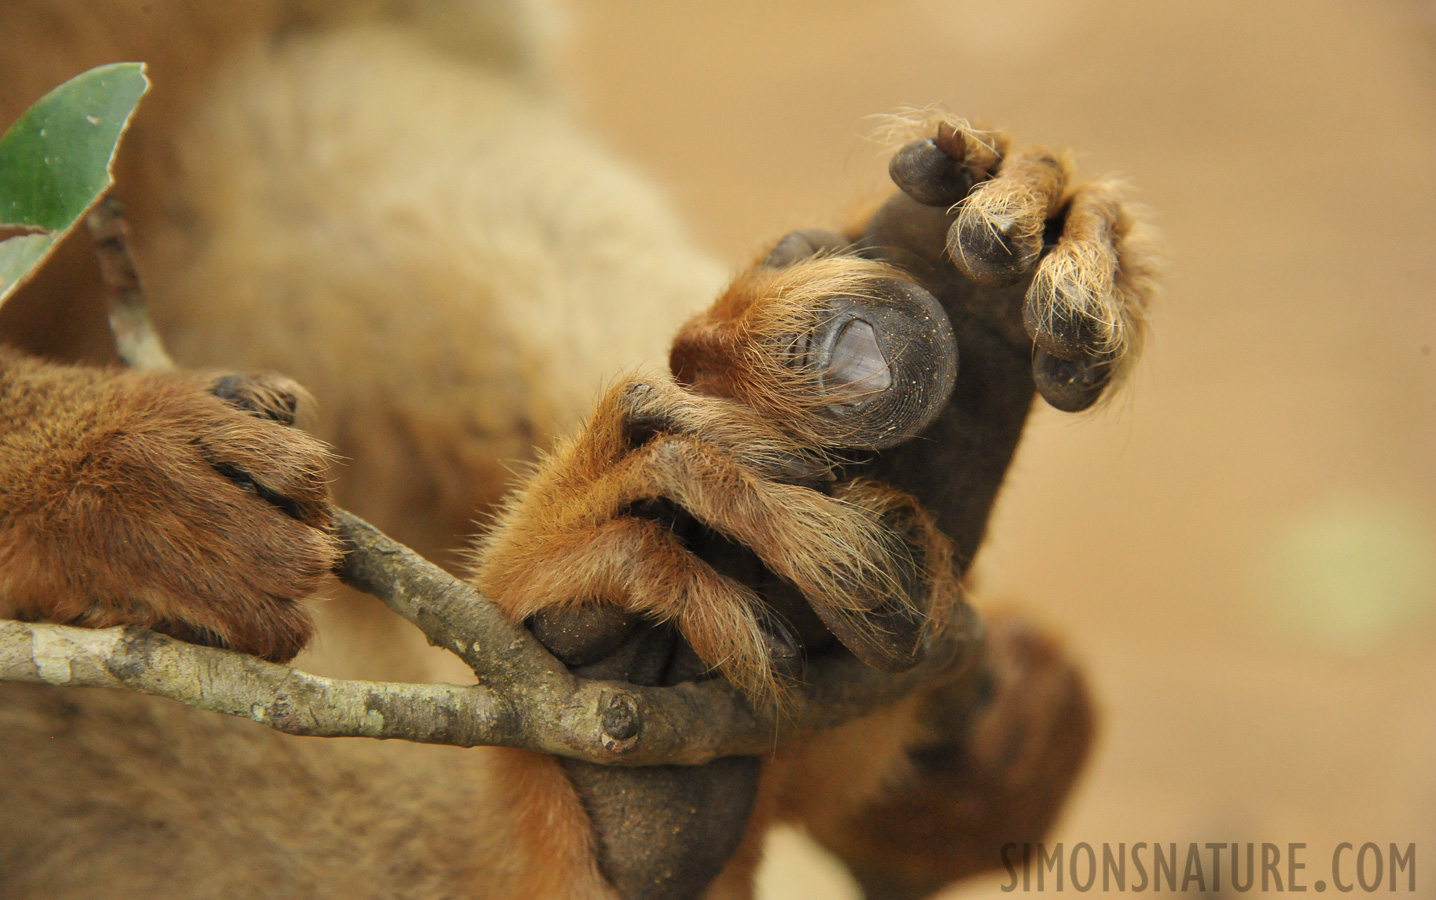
{"x":391,"y":207}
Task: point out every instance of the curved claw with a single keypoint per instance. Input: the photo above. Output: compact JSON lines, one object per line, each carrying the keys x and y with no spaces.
{"x":806,"y":243}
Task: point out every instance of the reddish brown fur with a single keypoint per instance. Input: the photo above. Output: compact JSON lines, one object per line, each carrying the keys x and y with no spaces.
{"x":550,"y":822}
{"x":914,"y":797}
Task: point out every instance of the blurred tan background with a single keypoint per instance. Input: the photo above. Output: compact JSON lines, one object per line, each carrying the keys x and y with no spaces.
{"x":1243,"y":548}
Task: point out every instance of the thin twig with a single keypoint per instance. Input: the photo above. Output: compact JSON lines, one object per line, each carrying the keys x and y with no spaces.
{"x":136,"y":339}
{"x":449,"y":612}
{"x":221,"y":681}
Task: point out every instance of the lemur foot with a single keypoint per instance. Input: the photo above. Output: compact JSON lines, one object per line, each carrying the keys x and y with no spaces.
{"x":176,"y":502}
{"x":1017,"y":216}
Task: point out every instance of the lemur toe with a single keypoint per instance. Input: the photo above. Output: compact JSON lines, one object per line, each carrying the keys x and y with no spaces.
{"x":928,"y":174}
{"x":998,"y":235}
{"x":1070,"y":385}
{"x":266,"y":395}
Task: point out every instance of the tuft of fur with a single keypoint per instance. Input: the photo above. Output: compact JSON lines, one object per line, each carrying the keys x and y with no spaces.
{"x":998,"y":234}
{"x":980,"y":150}
{"x":745,"y":345}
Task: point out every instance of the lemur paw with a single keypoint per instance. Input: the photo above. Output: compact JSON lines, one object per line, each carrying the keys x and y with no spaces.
{"x":680,"y":535}
{"x":706,"y":526}
{"x":178,"y":503}
{"x":1086,"y":260}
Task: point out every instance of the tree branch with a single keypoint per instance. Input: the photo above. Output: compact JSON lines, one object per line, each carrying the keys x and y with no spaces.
{"x":525,"y":698}
{"x":684,"y":724}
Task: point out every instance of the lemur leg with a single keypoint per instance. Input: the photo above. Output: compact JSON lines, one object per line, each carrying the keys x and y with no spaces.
{"x":175,"y":501}
{"x":975,"y":777}
{"x":1046,"y":287}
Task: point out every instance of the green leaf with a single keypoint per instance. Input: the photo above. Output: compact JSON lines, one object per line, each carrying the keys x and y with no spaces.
{"x":55,"y":162}
{"x":19,"y":255}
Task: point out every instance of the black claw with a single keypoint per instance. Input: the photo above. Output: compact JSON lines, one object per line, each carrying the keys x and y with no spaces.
{"x":644,"y":419}
{"x":640,"y":429}
{"x":889,"y":638}
{"x":891,"y":634}
{"x":785,"y":648}
{"x":929,"y":175}
{"x":247,"y":483}
{"x":1070,"y":385}
{"x":191,"y":633}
